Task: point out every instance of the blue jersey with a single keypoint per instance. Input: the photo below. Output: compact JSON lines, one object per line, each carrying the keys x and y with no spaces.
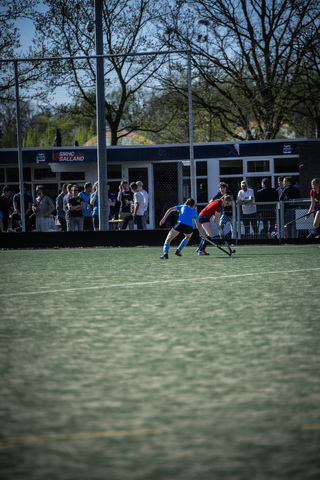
{"x":27,"y":199}
{"x":86,"y":198}
{"x":186,"y":215}
{"x":95,"y":207}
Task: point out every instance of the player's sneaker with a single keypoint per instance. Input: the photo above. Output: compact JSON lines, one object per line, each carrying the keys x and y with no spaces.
{"x":178,"y":253}
{"x":203,"y":252}
{"x":165,"y":255}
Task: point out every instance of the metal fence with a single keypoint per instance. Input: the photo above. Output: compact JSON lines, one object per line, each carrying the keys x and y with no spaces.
{"x":268,"y":221}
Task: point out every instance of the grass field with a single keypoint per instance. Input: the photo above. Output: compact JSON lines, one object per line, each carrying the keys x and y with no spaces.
{"x":116,"y":365}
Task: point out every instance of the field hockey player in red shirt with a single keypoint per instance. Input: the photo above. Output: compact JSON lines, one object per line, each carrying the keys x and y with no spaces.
{"x":314,"y":206}
{"x":212,"y":210}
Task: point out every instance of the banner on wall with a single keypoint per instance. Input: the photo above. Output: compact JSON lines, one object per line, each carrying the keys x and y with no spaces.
{"x":74,"y":156}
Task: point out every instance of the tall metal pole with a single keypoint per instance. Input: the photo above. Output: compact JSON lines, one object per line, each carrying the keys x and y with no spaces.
{"x":19,"y":141}
{"x":192,"y":163}
{"x":101,"y":121}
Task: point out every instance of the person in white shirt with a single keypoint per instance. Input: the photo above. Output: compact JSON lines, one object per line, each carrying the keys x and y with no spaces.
{"x":245,"y":198}
{"x":146,"y":203}
{"x":42,"y":208}
{"x":137,"y":208}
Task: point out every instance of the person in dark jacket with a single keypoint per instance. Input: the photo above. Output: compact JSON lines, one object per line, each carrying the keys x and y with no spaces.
{"x":267,"y":212}
{"x":290,"y":193}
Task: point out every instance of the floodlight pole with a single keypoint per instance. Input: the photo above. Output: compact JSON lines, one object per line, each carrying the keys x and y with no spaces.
{"x":192,"y":164}
{"x":101,"y":121}
{"x":19,"y":142}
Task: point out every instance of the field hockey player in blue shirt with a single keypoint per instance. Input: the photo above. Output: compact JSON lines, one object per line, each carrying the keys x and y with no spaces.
{"x":187,"y":215}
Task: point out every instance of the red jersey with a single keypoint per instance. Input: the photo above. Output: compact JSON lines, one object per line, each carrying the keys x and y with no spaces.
{"x":314,"y":194}
{"x":211,"y":209}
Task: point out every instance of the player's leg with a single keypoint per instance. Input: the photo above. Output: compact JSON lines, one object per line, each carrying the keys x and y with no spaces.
{"x":183,"y":243}
{"x":207,"y":227}
{"x":171,"y":235}
{"x":316,"y":221}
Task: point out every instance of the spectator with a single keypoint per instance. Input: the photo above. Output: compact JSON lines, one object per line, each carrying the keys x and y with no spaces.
{"x":75,"y":207}
{"x":59,"y":208}
{"x":267,"y":212}
{"x":290,"y":193}
{"x":16,"y":216}
{"x":314,"y":205}
{"x":212,"y":210}
{"x":1,"y":222}
{"x":137,"y":208}
{"x":42,"y":208}
{"x":146,"y":203}
{"x":280,"y":187}
{"x":65,"y":202}
{"x":245,"y":198}
{"x":112,"y":199}
{"x":226,"y":212}
{"x":94,"y":202}
{"x":87,"y":211}
{"x":187,"y":215}
{"x":5,"y":206}
{"x":125,"y":197}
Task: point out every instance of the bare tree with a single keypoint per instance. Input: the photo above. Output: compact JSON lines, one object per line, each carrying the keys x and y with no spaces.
{"x":10,"y":44}
{"x":61,"y":32}
{"x":251,"y":52}
{"x":305,"y":115}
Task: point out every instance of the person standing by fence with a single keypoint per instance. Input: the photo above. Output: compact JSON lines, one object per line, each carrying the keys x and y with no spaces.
{"x":315,"y":205}
{"x":267,"y":213}
{"x":290,"y":193}
{"x":75,"y":207}
{"x":87,"y":211}
{"x":42,"y":208}
{"x":245,"y":198}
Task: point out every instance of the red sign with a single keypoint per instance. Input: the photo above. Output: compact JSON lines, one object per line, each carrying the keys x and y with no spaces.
{"x":68,"y":156}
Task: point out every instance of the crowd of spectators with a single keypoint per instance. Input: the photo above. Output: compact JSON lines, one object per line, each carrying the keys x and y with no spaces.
{"x":72,"y":209}
{"x":75,"y":210}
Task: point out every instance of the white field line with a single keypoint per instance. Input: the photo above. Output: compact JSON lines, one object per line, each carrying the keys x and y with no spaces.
{"x":157,"y":282}
{"x":80,"y":436}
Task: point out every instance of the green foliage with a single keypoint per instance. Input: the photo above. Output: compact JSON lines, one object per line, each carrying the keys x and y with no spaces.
{"x":42,"y":133}
{"x":255,"y":66}
{"x":9,"y":139}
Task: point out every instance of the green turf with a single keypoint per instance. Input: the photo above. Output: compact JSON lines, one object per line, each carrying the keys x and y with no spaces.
{"x":220,"y":355}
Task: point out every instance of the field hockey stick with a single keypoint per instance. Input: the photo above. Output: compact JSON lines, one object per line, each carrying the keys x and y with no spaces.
{"x":212,"y":243}
{"x":299,"y":218}
{"x":227,"y":245}
{"x":218,"y":246}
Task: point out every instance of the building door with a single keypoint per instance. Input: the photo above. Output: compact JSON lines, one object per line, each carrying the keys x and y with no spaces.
{"x":166,"y":191}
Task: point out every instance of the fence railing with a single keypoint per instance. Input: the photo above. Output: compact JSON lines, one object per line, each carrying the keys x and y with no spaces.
{"x":268,"y":221}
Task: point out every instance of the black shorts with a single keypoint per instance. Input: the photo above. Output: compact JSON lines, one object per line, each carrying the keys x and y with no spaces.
{"x":87,"y":224}
{"x":181,"y":227}
{"x":203,"y":220}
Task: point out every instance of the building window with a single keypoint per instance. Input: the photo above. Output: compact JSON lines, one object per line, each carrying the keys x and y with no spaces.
{"x":285,"y":165}
{"x":13,"y":175}
{"x":1,"y":175}
{"x":231,"y":167}
{"x":186,"y":169}
{"x":72,"y":177}
{"x":114,"y":172}
{"x":258,"y":166}
{"x":201,"y":169}
{"x":43,"y":174}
